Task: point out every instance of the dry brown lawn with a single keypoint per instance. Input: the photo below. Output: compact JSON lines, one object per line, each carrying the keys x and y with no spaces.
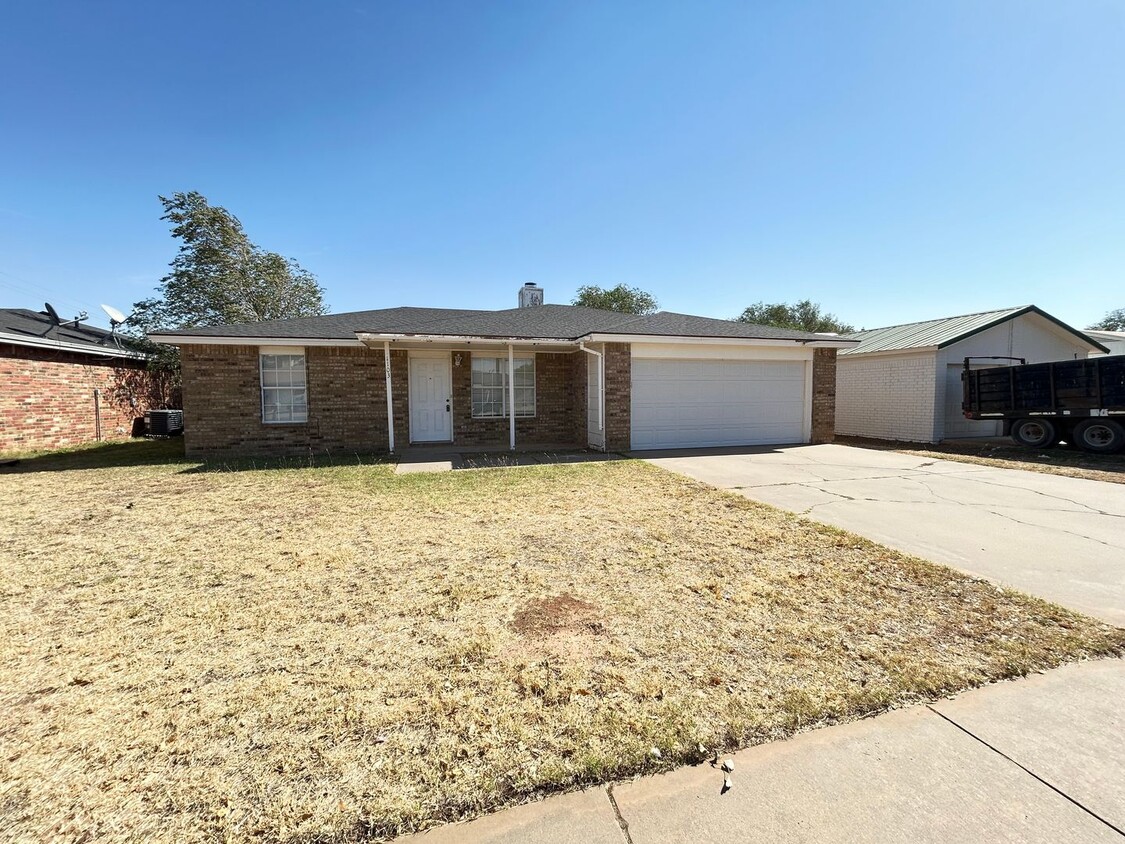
{"x":1068,"y":461}
{"x":337,"y":653}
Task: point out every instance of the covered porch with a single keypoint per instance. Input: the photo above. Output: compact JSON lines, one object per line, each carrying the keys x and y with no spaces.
{"x":483,"y":394}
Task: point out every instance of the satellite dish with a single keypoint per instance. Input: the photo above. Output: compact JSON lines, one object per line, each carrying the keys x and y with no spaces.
{"x":52,"y":313}
{"x":115,"y":316}
{"x":116,"y":319}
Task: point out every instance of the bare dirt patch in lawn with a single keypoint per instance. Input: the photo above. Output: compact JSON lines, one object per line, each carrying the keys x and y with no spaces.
{"x":338,"y":653}
{"x":562,"y":613}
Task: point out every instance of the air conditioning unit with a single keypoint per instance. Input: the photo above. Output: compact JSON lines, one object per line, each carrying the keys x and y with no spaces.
{"x":164,"y":423}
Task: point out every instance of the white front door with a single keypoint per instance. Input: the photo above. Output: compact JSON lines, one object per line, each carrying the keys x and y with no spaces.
{"x":431,"y":392}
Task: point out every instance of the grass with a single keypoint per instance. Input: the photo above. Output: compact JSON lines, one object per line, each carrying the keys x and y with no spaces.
{"x":336,"y":653}
{"x":1068,"y":461}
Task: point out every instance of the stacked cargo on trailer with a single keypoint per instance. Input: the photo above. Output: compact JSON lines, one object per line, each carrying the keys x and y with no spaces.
{"x":1044,"y":403}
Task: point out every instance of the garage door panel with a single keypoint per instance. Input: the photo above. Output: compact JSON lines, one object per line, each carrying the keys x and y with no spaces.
{"x":684,"y":403}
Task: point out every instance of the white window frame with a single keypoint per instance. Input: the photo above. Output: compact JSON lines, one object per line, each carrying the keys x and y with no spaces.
{"x":503,"y":361}
{"x":264,"y":352}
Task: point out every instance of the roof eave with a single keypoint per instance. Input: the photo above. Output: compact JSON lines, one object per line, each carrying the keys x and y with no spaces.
{"x":906,"y":350}
{"x":67,"y":346}
{"x":176,"y":339}
{"x":1028,"y":309}
{"x":374,"y":337}
{"x":823,"y":343}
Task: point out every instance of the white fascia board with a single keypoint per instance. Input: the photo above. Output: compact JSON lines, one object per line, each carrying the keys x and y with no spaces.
{"x":726,"y":351}
{"x":64,"y":346}
{"x":717,"y":341}
{"x":198,"y":340}
{"x":461,"y":340}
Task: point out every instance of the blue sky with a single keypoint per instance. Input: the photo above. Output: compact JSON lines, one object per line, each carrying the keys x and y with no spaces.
{"x":892,"y":161}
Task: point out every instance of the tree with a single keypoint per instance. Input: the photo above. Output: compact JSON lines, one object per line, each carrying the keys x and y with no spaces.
{"x":802,"y":316}
{"x":220,"y":277}
{"x":217,"y":277}
{"x":624,"y":299}
{"x":1113,"y":321}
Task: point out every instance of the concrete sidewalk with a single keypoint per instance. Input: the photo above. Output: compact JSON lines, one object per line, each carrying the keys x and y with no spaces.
{"x":1038,"y":759}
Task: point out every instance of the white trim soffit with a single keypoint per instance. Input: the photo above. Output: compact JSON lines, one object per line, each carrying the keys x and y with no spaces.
{"x":371,"y":339}
{"x":368,"y":339}
{"x":202,"y":340}
{"x":826,"y":343}
{"x":64,"y":346}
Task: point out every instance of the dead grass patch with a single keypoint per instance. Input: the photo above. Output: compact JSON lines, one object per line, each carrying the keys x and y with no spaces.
{"x":336,"y":653}
{"x":1068,"y":461}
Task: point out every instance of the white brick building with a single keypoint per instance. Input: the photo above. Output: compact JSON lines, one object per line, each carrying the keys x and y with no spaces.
{"x":904,"y":382}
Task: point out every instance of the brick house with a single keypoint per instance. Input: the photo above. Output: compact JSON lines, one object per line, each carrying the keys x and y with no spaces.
{"x":534,"y":376}
{"x":66,"y":384}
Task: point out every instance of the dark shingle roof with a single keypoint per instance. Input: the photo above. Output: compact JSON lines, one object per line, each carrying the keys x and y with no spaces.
{"x":35,"y":327}
{"x":330,"y":326}
{"x":560,"y":322}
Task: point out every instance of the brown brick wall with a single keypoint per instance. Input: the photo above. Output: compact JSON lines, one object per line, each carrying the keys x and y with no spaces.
{"x":47,"y":398}
{"x":578,"y":397}
{"x":557,"y":408}
{"x":347,"y":404}
{"x":824,"y":395}
{"x":618,"y":396}
{"x":346,"y":395}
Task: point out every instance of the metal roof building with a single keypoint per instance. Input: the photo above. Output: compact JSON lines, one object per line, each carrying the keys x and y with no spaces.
{"x":903,"y":382}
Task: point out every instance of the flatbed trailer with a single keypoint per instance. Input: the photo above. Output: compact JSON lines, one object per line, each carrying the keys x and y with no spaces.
{"x":1079,"y":401}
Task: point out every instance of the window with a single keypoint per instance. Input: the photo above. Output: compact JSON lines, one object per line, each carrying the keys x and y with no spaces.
{"x":284,"y":397}
{"x":490,"y":387}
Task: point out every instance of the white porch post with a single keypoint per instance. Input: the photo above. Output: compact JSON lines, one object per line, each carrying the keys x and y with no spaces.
{"x":511,"y":398}
{"x":601,"y":394}
{"x":390,"y":400}
{"x":600,"y":358}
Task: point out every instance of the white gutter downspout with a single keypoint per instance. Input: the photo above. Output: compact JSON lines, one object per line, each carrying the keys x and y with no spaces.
{"x":511,"y":397}
{"x":601,"y":387}
{"x":390,"y":400}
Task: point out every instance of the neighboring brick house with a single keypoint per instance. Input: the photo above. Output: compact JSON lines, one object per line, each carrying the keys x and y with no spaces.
{"x":904,"y":382}
{"x":533,"y":376}
{"x":65,"y":384}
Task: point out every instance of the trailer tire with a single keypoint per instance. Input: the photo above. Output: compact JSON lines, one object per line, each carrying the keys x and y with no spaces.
{"x":1101,"y":436}
{"x":1034,"y":433}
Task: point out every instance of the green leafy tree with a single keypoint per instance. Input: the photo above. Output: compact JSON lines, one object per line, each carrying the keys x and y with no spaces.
{"x":220,"y":277}
{"x":801,"y":316}
{"x":1113,"y":321}
{"x":624,"y":299}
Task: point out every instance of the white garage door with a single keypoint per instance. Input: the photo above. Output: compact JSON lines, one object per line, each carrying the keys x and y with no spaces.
{"x":696,"y":403}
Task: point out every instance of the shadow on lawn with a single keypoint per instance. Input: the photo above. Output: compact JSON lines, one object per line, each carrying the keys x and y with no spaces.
{"x":1002,"y":449}
{"x":141,"y":452}
{"x":169,"y":452}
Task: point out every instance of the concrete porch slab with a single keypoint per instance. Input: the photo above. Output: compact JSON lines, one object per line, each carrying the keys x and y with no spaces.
{"x":409,"y":468}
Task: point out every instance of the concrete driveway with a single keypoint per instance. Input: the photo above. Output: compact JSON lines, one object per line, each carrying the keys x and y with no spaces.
{"x":1060,"y":538}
